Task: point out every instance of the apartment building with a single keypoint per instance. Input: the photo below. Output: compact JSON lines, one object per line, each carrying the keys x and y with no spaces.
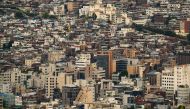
{"x":82,"y":60}
{"x":174,"y":77}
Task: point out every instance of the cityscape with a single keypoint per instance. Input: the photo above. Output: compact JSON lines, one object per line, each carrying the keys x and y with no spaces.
{"x":94,"y":54}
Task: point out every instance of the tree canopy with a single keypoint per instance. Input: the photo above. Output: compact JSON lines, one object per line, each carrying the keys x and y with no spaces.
{"x":123,"y":74}
{"x":181,"y":107}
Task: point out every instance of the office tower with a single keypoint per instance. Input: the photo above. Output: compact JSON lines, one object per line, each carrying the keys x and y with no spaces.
{"x":121,"y":65}
{"x":69,"y":94}
{"x":105,"y":60}
{"x":185,"y":26}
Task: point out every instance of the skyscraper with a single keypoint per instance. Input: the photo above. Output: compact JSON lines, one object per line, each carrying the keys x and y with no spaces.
{"x":105,"y":60}
{"x":69,"y":94}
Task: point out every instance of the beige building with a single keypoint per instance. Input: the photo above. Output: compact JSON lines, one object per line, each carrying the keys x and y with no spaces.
{"x":59,"y":10}
{"x":55,"y":56}
{"x":130,"y":53}
{"x":94,"y":73}
{"x":50,"y":85}
{"x":30,"y":62}
{"x":71,"y":6}
{"x":57,"y":81}
{"x":86,"y":95}
{"x":132,"y":69}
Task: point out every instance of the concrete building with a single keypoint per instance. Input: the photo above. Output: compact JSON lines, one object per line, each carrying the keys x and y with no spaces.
{"x":183,"y":94}
{"x":107,"y":12}
{"x":130,"y":52}
{"x":106,"y":84}
{"x":86,"y":95}
{"x":154,"y":78}
{"x":141,"y":2}
{"x":50,"y":85}
{"x":5,"y":88}
{"x":1,"y":102}
{"x":4,"y":40}
{"x":105,"y":60}
{"x":185,"y":26}
{"x":94,"y":73}
{"x":55,"y":56}
{"x":121,"y":65}
{"x":174,"y":77}
{"x":82,"y":60}
{"x":8,"y":99}
{"x":53,"y":81}
{"x":59,"y":10}
{"x":72,"y":6}
{"x":69,"y":94}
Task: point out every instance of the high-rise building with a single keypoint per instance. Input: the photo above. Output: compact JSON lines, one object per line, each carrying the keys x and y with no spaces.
{"x":174,"y":77}
{"x":1,"y":102}
{"x":185,"y":26}
{"x":183,"y":58}
{"x":51,"y":84}
{"x":8,"y":100}
{"x":183,"y":94}
{"x":105,"y":60}
{"x":57,"y":81}
{"x":86,"y":95}
{"x":69,"y":94}
{"x":121,"y":65}
{"x":154,"y":78}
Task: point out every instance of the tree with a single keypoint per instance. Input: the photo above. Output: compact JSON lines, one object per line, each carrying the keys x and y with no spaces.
{"x":7,"y":45}
{"x":19,"y":15}
{"x":123,"y":74}
{"x":45,"y":15}
{"x":181,"y":107}
{"x":94,"y":16}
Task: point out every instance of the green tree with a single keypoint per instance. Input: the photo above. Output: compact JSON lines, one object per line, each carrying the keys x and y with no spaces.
{"x":19,"y":15}
{"x":123,"y":74}
{"x":181,"y":107}
{"x":94,"y":16}
{"x":45,"y":15}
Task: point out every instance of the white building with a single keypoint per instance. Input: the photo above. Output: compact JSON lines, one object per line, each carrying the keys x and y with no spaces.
{"x":50,"y":85}
{"x":82,"y":60}
{"x":57,"y":81}
{"x":183,"y":94}
{"x":59,"y":10}
{"x":5,"y":88}
{"x":124,"y":31}
{"x":174,"y":6}
{"x":107,"y":12}
{"x":174,"y":77}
